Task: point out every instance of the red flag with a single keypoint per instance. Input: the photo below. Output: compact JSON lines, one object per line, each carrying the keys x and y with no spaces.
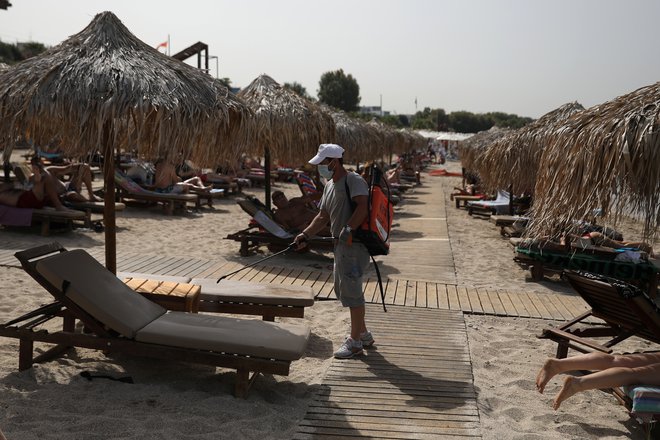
{"x":163,"y":44}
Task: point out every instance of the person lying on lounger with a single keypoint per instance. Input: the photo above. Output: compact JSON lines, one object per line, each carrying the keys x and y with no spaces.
{"x":42,"y":192}
{"x":167,"y":181}
{"x":71,"y":190}
{"x":612,"y":371}
{"x":294,"y":214}
{"x":600,"y":239}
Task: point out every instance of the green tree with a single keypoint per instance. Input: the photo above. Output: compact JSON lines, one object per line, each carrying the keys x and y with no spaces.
{"x":339,"y":90}
{"x":392,"y":120}
{"x":225,"y":82}
{"x":14,"y":53}
{"x":298,"y":89}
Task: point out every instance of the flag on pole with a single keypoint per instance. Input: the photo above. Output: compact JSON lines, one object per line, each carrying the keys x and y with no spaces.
{"x":163,"y":44}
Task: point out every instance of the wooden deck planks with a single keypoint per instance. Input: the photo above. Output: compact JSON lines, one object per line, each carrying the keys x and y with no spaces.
{"x":399,"y":391}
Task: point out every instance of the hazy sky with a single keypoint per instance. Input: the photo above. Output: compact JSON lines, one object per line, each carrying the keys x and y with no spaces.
{"x":526,"y":57}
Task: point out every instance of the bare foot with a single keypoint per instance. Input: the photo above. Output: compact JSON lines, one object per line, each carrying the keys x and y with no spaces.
{"x":567,"y":390}
{"x":545,"y":374}
{"x":95,"y":198}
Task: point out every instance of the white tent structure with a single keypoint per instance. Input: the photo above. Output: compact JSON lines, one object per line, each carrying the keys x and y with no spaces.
{"x":444,"y":135}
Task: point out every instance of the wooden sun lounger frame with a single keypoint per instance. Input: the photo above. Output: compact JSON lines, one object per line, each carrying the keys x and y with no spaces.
{"x":251,"y":238}
{"x":97,"y":337}
{"x":48,"y":216}
{"x":623,"y":317}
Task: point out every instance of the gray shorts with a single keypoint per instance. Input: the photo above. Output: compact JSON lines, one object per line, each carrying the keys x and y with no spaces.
{"x":350,"y":264}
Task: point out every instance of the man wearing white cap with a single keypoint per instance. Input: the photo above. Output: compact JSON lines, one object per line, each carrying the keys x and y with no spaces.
{"x":351,"y":257}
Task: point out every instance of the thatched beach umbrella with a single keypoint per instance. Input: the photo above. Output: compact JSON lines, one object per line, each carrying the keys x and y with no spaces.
{"x":286,"y":125}
{"x":3,"y":67}
{"x":608,"y":157}
{"x":104,"y":89}
{"x":361,"y":141}
{"x":513,"y":159}
{"x":470,"y":148}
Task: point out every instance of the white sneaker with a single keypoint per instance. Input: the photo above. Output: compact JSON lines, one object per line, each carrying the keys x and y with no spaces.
{"x":349,"y":349}
{"x":367,"y":339}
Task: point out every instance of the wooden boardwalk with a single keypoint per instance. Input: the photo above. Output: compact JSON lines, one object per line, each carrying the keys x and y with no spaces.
{"x":398,"y":291}
{"x":399,"y":389}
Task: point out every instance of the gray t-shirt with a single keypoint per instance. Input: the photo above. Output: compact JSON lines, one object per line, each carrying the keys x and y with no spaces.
{"x":335,"y":200}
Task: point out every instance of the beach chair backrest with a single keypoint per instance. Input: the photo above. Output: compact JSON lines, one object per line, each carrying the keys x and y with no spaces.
{"x":306,"y":184}
{"x":503,"y":196}
{"x":128,"y":184}
{"x":629,"y":307}
{"x":269,"y":225}
{"x":98,"y":291}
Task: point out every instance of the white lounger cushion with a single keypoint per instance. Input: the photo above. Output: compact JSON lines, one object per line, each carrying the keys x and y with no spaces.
{"x":98,"y":292}
{"x":254,"y":293}
{"x":248,"y":337}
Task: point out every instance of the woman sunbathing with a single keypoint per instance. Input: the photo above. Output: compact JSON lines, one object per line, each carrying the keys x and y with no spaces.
{"x":613,"y":371}
{"x":167,"y":181}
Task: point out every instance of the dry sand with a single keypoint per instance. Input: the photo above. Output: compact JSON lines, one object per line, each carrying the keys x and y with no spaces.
{"x":181,"y":401}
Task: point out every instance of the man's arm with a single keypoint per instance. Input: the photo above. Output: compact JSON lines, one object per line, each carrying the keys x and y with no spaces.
{"x":318,"y":223}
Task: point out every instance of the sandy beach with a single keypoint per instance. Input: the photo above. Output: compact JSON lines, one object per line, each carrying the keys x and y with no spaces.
{"x":185,"y":401}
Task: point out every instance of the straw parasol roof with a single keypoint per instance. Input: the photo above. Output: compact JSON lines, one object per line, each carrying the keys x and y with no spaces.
{"x":105,"y":78}
{"x":514,"y":158}
{"x":608,"y":157}
{"x":290,"y":126}
{"x":361,"y":141}
{"x":104,"y":89}
{"x":3,"y":67}
{"x":470,"y":148}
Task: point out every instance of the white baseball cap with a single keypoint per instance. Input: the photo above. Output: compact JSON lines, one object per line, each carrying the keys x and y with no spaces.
{"x":327,"y":151}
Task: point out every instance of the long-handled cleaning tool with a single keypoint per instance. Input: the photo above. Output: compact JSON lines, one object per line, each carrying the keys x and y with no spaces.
{"x":288,"y":248}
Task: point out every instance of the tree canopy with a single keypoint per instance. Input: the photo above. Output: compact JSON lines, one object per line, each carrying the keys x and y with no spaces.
{"x":465,"y":122}
{"x":13,"y":53}
{"x":339,"y":90}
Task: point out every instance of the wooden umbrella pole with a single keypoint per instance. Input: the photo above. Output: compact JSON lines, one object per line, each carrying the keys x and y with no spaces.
{"x":109,"y":202}
{"x":267,"y":176}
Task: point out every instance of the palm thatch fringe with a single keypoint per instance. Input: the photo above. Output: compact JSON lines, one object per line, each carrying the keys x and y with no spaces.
{"x":606,"y":157}
{"x":361,"y":141}
{"x":104,"y":83}
{"x":289,"y":125}
{"x":514,"y":158}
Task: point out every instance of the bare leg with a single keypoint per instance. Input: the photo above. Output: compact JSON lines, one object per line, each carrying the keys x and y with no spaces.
{"x":46,"y":189}
{"x":611,"y":377}
{"x":358,"y":324}
{"x":197,"y":183}
{"x":591,"y":361}
{"x":86,"y":178}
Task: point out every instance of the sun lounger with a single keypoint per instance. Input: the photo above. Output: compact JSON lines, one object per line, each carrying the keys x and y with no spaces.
{"x":129,"y":190}
{"x":267,"y":231}
{"x":117,"y":320}
{"x":12,"y":216}
{"x":549,"y":257}
{"x":500,"y":205}
{"x":465,"y":199}
{"x":227,"y":296}
{"x":626,"y":311}
{"x":93,"y":207}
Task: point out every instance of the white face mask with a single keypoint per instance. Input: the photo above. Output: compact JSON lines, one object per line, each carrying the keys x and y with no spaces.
{"x":325,"y":172}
